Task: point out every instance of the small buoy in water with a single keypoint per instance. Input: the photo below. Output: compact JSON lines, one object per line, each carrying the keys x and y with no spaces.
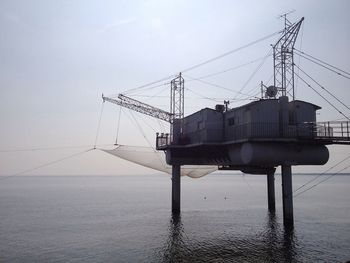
{"x":225,"y":197}
{"x":205,"y":197}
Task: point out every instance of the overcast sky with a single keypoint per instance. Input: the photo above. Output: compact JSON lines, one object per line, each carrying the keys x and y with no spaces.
{"x":58,"y":57}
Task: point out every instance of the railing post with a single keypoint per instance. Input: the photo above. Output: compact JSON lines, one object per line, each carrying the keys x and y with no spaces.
{"x":341,"y":125}
{"x":347,"y":128}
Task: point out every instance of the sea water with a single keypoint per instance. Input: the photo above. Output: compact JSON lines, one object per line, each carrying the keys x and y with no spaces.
{"x":224,"y":218}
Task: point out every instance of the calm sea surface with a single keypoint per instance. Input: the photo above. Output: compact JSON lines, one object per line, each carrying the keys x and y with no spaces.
{"x":127,"y":219}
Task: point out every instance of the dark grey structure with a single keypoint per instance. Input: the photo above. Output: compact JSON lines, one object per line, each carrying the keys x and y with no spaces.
{"x":254,"y":138}
{"x":257,"y":137}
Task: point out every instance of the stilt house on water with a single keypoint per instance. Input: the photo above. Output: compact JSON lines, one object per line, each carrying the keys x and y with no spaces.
{"x":255,"y":138}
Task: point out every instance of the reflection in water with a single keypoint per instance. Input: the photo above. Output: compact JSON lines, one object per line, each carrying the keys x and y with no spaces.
{"x":175,"y":245}
{"x":281,"y":243}
{"x":271,"y":244}
{"x":289,"y":245}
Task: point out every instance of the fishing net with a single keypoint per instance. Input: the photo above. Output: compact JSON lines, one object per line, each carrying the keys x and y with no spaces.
{"x":148,"y":157}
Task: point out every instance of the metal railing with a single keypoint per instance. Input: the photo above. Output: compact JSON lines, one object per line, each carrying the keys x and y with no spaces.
{"x":328,"y":132}
{"x":336,"y":130}
{"x":269,"y":131}
{"x":162,"y":140}
{"x":333,"y":131}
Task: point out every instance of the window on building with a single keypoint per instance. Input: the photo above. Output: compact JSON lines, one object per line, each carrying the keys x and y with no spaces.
{"x":200,"y":125}
{"x":231,"y":121}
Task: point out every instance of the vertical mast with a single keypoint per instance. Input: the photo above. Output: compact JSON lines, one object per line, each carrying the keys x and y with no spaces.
{"x":176,"y":107}
{"x":177,"y":97}
{"x":283,"y":59}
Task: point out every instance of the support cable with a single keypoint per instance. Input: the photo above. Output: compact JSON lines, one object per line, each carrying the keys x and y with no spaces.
{"x":144,"y":135}
{"x":118,"y":125}
{"x":99,"y":124}
{"x":150,"y":96}
{"x":231,"y":51}
{"x":206,"y":62}
{"x":159,"y":92}
{"x":141,"y":130}
{"x":322,"y":97}
{"x":150,"y":88}
{"x":202,"y":77}
{"x":253,"y":92}
{"x":339,"y":119}
{"x":149,"y":84}
{"x":212,"y":99}
{"x":322,"y":87}
{"x":327,"y":178}
{"x":33,"y":149}
{"x":202,"y":96}
{"x":142,"y":118}
{"x":336,"y":72}
{"x":319,"y":60}
{"x":243,"y":176}
{"x":299,"y":58}
{"x":46,"y":164}
{"x":317,"y":176}
{"x":219,"y":86}
{"x":231,"y":68}
{"x":269,"y":53}
{"x":332,"y":70}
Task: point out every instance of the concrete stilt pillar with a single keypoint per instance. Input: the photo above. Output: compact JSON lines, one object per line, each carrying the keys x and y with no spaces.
{"x":287,"y":196}
{"x":271,"y":191}
{"x":176,"y":189}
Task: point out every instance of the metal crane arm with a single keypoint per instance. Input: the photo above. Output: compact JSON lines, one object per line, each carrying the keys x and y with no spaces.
{"x":290,"y":35}
{"x":141,"y":107}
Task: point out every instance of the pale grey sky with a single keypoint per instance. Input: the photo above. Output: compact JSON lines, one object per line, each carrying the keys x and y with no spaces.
{"x":58,"y":57}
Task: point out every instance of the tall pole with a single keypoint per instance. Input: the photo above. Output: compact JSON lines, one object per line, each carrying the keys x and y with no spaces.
{"x":271,"y":191}
{"x":287,"y":196}
{"x":177,"y":111}
{"x":176,"y":189}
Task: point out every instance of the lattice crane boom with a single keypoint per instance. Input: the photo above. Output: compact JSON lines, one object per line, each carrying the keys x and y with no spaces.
{"x":290,"y":35}
{"x":141,"y":107}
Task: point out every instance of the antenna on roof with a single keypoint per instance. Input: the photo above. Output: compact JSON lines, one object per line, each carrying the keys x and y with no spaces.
{"x":284,"y":15}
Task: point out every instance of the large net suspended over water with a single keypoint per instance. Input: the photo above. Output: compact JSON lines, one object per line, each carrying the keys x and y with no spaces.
{"x":148,"y":157}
